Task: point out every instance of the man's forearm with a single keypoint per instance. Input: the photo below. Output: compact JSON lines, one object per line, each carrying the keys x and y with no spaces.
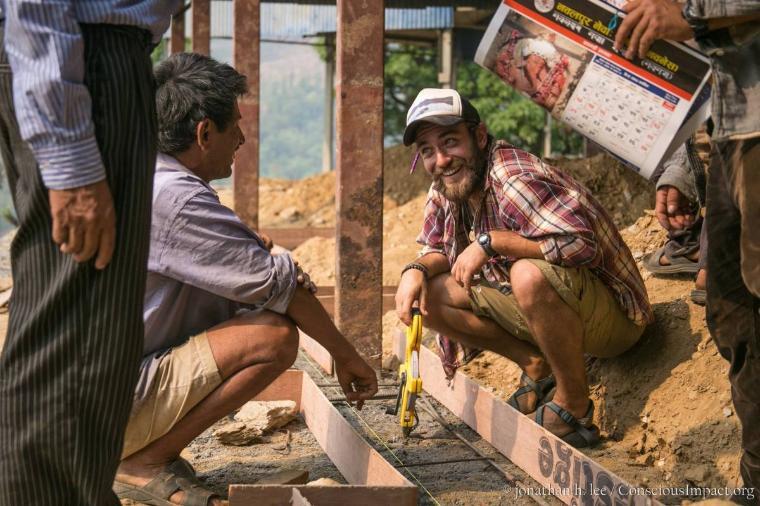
{"x":512,"y":244}
{"x":435,"y":262}
{"x":309,"y":315}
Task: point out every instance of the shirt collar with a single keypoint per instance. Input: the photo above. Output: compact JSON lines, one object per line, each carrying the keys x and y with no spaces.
{"x":167,"y":163}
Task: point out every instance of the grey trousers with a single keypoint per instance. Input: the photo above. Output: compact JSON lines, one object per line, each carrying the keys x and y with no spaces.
{"x":733,"y":279}
{"x":71,"y":357}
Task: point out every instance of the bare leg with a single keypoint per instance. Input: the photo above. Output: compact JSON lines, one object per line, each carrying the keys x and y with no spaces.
{"x":450,"y":314}
{"x":250,"y":352}
{"x":558,"y":330}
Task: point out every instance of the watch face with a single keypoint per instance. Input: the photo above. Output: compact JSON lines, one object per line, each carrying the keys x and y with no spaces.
{"x":483,"y":239}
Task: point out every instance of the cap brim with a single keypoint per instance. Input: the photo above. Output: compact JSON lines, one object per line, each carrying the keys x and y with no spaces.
{"x":410,"y":133}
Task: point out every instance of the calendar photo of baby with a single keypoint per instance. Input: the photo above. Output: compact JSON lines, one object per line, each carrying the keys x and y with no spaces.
{"x":541,"y":64}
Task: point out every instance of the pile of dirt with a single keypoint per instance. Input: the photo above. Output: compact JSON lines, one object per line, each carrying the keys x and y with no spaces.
{"x":310,"y":202}
{"x":401,"y":226}
{"x":399,"y":184}
{"x":623,"y":193}
{"x":285,"y":203}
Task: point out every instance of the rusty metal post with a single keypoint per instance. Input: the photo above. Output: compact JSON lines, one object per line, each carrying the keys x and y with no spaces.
{"x":246,"y":55}
{"x":359,"y":234}
{"x":177,"y":41}
{"x":202,"y":26}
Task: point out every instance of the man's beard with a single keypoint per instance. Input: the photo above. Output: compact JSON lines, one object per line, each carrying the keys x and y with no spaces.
{"x":461,"y":191}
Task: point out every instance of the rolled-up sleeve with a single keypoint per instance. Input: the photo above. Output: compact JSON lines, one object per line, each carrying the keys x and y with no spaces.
{"x":46,"y":53}
{"x":550,"y":214}
{"x":677,"y":173}
{"x":433,"y":226}
{"x":207,"y":246}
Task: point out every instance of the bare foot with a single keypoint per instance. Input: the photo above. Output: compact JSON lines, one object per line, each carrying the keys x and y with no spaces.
{"x":141,"y":474}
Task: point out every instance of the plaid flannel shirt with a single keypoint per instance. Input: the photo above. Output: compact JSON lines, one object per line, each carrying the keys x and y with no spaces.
{"x":540,"y":202}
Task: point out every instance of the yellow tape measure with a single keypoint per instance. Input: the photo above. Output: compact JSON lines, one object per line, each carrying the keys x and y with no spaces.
{"x":409,"y":376}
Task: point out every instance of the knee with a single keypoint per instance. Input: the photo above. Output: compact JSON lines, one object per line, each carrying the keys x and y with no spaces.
{"x":284,"y":342}
{"x":435,"y":289}
{"x":529,"y":285}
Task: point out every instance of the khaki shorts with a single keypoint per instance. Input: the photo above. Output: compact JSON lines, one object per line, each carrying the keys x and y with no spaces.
{"x":185,"y":376}
{"x":607,"y":331}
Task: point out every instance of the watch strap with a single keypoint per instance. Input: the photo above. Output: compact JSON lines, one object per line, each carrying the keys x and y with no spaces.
{"x":486,"y":245}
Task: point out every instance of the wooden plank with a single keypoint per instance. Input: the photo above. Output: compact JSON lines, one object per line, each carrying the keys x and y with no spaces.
{"x":572,"y":476}
{"x":359,"y":175}
{"x":287,"y":386}
{"x":177,"y":40}
{"x":201,"y":25}
{"x":356,"y":460}
{"x":291,"y":238}
{"x":277,"y":495}
{"x":372,"y":480}
{"x":246,"y":53}
{"x":326,"y":295}
{"x":317,"y":352}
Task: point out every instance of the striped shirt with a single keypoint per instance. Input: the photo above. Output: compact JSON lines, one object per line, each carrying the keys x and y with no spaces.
{"x":46,"y":53}
{"x":541,"y":203}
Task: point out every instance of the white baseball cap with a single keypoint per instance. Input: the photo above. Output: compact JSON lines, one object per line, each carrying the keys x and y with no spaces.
{"x":440,"y":106}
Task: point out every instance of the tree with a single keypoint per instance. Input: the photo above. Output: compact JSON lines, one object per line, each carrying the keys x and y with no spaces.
{"x":508,"y":114}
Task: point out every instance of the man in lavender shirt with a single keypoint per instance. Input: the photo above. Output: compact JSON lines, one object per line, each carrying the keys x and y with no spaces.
{"x":221,"y":313}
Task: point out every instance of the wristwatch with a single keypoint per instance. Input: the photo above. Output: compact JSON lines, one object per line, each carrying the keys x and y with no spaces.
{"x":484,"y":240}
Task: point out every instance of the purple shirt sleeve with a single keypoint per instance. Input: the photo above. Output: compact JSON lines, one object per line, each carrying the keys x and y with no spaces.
{"x":207,"y":246}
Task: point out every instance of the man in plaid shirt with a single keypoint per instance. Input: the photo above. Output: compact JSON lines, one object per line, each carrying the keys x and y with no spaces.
{"x":520,"y":259}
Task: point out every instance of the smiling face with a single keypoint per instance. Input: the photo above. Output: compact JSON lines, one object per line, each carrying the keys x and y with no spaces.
{"x":455,"y":158}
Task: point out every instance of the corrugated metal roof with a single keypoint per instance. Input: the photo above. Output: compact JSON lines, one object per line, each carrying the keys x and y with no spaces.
{"x":288,"y":21}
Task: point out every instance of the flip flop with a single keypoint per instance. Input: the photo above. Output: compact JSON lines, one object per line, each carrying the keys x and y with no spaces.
{"x":177,"y":476}
{"x":678,"y":263}
{"x":584,"y":433}
{"x":543,"y":388}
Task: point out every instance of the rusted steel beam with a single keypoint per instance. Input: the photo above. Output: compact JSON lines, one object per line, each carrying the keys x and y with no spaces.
{"x":359,"y":240}
{"x":177,"y":41}
{"x":202,"y":26}
{"x":246,"y":55}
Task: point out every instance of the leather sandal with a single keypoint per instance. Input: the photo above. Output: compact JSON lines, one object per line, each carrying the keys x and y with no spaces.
{"x":679,"y":262}
{"x":177,"y":476}
{"x":584,"y":433}
{"x":543,"y":388}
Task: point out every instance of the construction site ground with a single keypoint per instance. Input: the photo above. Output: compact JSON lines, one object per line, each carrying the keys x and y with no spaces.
{"x":664,"y":406}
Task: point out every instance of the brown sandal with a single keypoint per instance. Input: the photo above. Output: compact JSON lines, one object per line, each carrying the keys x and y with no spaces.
{"x":543,"y":388}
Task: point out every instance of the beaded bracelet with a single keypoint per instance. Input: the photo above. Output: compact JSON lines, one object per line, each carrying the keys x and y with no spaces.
{"x":417,"y":266}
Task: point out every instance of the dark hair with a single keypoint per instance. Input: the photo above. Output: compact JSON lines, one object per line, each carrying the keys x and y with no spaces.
{"x":190,"y":88}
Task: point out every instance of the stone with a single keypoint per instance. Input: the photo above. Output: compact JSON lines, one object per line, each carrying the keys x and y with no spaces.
{"x":290,"y":477}
{"x":254,"y":419}
{"x":267,"y":415}
{"x":323,"y":482}
{"x":238,"y":434}
{"x":645,"y":460}
{"x":290,"y":213}
{"x":696,"y":474}
{"x":391,"y":362}
{"x":727,"y":412}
